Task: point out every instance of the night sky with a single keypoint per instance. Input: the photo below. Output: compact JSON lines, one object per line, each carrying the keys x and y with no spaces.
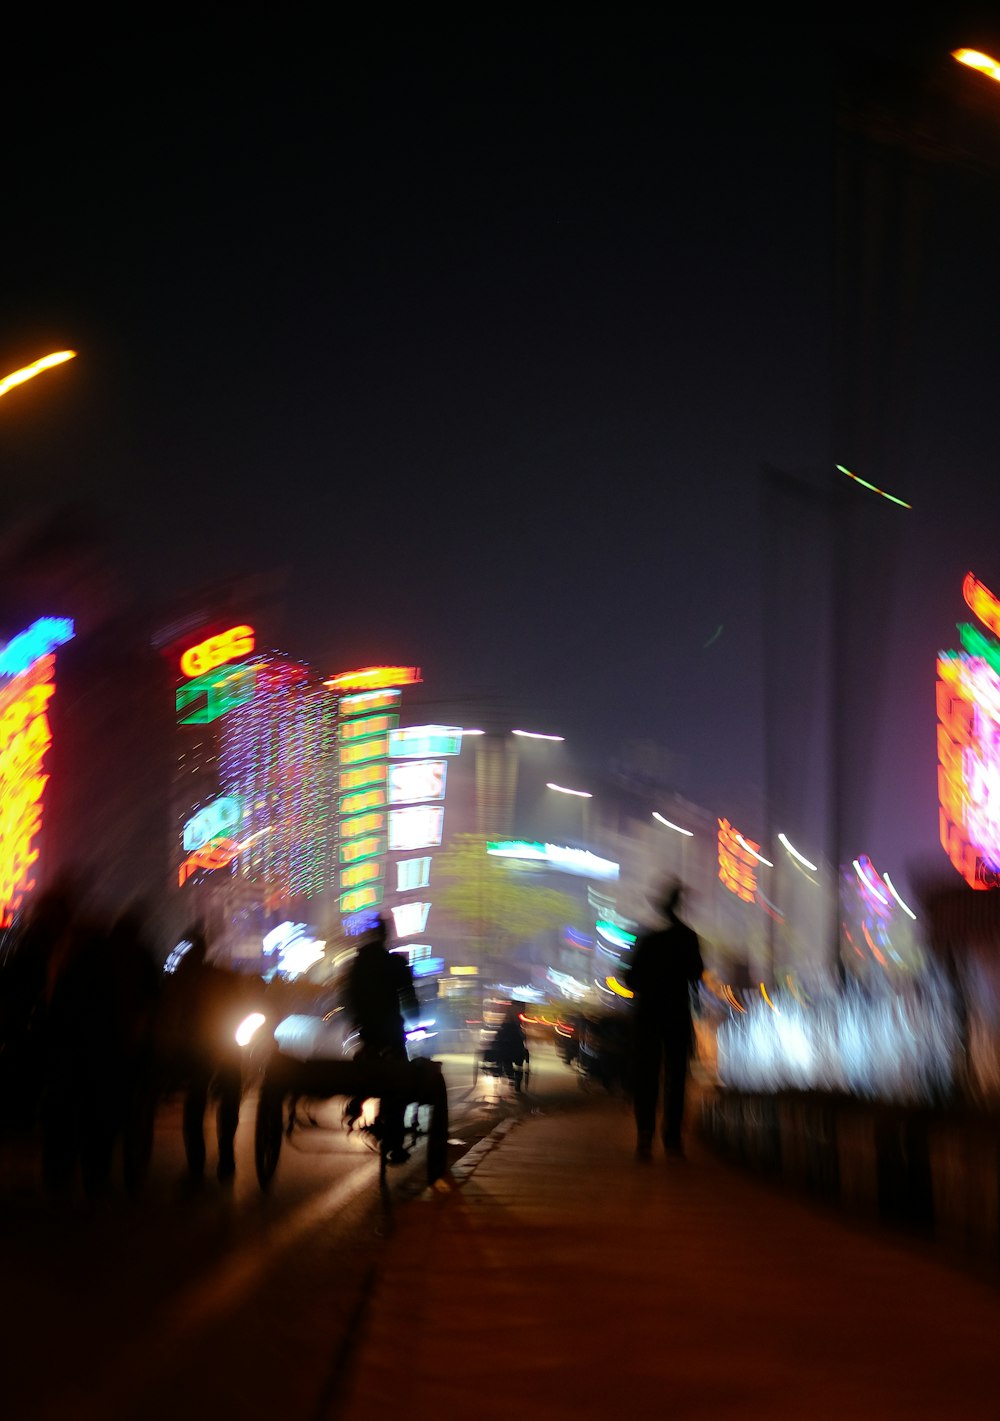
{"x":475,"y":331}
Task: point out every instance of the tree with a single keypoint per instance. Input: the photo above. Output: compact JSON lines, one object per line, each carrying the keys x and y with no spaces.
{"x":501,"y":906}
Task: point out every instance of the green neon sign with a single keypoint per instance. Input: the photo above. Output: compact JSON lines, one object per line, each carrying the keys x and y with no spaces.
{"x":976,"y":643}
{"x":222,"y":690}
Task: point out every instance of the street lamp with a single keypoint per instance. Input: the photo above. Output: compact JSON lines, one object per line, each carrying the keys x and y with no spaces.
{"x":976,"y":59}
{"x":28,"y":372}
{"x":536,"y":735}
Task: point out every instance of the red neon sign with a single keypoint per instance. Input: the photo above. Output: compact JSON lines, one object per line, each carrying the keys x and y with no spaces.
{"x":375,"y":678}
{"x":25,"y":736}
{"x":227,"y":646}
{"x":982,"y":602}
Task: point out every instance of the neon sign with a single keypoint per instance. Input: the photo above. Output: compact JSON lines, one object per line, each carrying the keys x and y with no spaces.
{"x":25,"y":737}
{"x":373,"y":749}
{"x":737,"y":857}
{"x":982,"y":602}
{"x":214,"y":821}
{"x":362,"y":824}
{"x":227,"y":646}
{"x":968,"y":742}
{"x":375,"y":678}
{"x":416,"y":780}
{"x":367,"y":725}
{"x":357,"y":874}
{"x":207,"y":858}
{"x":373,"y":774}
{"x":417,"y":742}
{"x":369,"y":701}
{"x":41,"y":638}
{"x":362,"y":848}
{"x":361,"y":800}
{"x":222,"y":690}
{"x":357,"y":898}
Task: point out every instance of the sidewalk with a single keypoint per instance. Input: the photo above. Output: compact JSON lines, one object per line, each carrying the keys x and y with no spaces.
{"x":560,"y":1278}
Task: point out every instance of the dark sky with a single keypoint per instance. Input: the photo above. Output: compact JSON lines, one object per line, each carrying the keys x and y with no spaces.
{"x":479,"y":328}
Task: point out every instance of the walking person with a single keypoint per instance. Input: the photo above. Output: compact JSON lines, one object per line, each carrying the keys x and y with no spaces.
{"x":666,"y":963}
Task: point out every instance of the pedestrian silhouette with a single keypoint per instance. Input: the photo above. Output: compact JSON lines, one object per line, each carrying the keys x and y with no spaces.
{"x":379,"y":990}
{"x":665,"y":964}
{"x":204,"y":1004}
{"x":509,"y":1050}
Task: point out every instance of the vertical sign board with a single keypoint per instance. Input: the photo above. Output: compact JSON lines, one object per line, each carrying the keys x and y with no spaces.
{"x":366,"y":719}
{"x":27,"y":684}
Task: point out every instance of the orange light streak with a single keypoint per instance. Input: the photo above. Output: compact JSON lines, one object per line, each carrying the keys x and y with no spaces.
{"x":28,"y":372}
{"x":374,"y":678}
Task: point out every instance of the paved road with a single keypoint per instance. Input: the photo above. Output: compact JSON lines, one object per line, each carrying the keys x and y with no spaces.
{"x":218,"y":1302}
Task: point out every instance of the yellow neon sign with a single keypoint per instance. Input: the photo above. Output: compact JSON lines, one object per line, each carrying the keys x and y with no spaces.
{"x":982,"y":602}
{"x":374,"y":749}
{"x":375,"y":774}
{"x":364,"y":799}
{"x":375,"y":678}
{"x":25,"y":737}
{"x":227,"y":646}
{"x":361,"y":824}
{"x":360,"y":873}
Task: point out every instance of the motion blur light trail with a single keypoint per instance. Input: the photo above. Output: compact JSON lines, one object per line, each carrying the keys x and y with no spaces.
{"x":28,"y":372}
{"x":881,"y":491}
{"x":896,"y":1047}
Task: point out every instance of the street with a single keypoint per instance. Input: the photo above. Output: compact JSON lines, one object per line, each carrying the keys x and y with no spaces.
{"x":218,"y":1301}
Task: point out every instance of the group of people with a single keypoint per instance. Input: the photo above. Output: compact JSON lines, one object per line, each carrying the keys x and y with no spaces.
{"x":94,"y":1033}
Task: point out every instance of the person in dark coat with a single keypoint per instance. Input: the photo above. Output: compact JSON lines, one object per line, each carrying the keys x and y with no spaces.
{"x":509,"y":1050}
{"x":379,"y":991}
{"x":666,"y":964}
{"x":204,"y":1004}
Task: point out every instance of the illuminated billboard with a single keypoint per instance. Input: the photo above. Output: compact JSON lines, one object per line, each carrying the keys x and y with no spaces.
{"x":410,"y":918}
{"x":370,"y":896}
{"x":371,"y":823}
{"x":414,"y":780}
{"x":367,"y":725}
{"x":216,"y":650}
{"x":361,"y":750}
{"x":27,"y":684}
{"x":361,"y":800}
{"x":968,"y":743}
{"x":374,"y":773}
{"x":215,"y":820}
{"x":369,"y":871}
{"x":417,"y":828}
{"x":367,"y":701}
{"x":417,"y":742}
{"x":211,"y":695}
{"x":374,"y":678}
{"x":412,"y":873}
{"x":368,"y":847}
{"x":737,"y":862}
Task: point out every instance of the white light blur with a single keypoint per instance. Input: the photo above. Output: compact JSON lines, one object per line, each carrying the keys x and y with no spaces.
{"x":894,"y":1047}
{"x":892,"y":889}
{"x":753,"y":852}
{"x":870,"y":886}
{"x":473,"y":732}
{"x":248,"y":1027}
{"x":561,"y":789}
{"x":536,"y":735}
{"x":689,"y":833}
{"x":795,"y":853}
